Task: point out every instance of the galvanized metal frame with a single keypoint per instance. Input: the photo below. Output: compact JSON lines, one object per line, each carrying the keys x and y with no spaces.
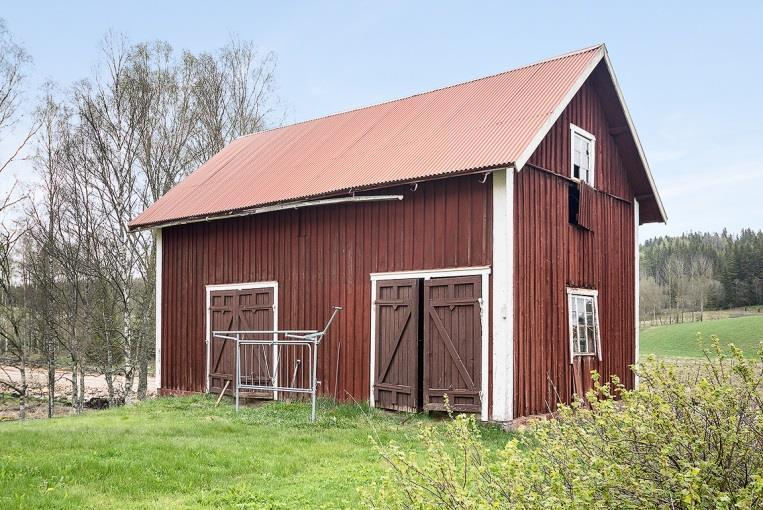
{"x":290,"y":337}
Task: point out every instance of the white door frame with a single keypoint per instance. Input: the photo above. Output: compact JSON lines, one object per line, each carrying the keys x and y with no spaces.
{"x":484,"y":272}
{"x":208,"y":324}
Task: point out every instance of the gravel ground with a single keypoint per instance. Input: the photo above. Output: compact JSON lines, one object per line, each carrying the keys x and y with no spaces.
{"x":95,"y":387}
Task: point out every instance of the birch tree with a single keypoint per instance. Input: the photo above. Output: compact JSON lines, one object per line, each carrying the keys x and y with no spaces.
{"x":110,"y":119}
{"x":234,"y":94}
{"x":43,"y":218}
{"x":14,"y":327}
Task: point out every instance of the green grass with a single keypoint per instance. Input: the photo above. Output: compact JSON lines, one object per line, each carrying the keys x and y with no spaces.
{"x":174,"y":453}
{"x":680,"y":340}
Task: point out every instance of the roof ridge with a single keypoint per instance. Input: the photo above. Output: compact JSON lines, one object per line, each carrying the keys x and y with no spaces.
{"x":359,"y":108}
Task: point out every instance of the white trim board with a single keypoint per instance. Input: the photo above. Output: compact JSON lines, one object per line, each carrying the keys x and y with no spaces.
{"x":636,"y":276}
{"x":158,"y":311}
{"x":484,"y":272}
{"x":270,"y":208}
{"x":208,"y":289}
{"x":503,"y":295}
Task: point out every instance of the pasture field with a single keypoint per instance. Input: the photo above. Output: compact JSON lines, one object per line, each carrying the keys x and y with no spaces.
{"x":680,"y":340}
{"x":173,"y":453}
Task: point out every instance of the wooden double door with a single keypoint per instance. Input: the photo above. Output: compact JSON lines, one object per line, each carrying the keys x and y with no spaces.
{"x":428,"y":344}
{"x":250,"y":309}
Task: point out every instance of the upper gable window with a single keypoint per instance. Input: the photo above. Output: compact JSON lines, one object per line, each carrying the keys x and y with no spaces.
{"x":583,"y":145}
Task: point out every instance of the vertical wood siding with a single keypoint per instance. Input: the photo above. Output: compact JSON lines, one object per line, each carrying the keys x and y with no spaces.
{"x":552,"y":254}
{"x":320,"y":256}
{"x":396,"y":381}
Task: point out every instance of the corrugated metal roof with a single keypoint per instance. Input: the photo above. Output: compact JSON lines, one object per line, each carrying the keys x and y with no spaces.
{"x":485,"y":123}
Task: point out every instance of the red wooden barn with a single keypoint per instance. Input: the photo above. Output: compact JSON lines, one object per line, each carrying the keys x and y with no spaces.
{"x":482,"y":239}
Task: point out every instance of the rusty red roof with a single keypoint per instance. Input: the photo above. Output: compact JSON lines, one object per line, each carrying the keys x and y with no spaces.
{"x":481,"y":124}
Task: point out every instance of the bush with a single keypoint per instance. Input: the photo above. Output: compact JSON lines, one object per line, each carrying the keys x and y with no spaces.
{"x":688,"y":438}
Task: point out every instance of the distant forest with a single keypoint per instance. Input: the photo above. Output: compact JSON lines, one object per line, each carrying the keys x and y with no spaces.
{"x":694,"y":272}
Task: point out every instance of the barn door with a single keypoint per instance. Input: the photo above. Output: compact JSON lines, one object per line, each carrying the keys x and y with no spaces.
{"x":238,"y":310}
{"x":222,"y":317}
{"x":397,"y":345}
{"x":452,"y":343}
{"x":255,"y":313}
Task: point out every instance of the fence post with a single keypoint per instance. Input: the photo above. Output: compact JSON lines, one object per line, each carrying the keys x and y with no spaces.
{"x":238,"y":368}
{"x":314,"y":368}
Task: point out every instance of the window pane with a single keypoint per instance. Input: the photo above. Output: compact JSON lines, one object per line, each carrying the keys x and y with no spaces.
{"x":585,"y":160}
{"x":574,"y":323}
{"x":575,"y":341}
{"x":578,"y":148}
{"x":591,"y":339}
{"x":583,"y":324}
{"x":582,"y":158}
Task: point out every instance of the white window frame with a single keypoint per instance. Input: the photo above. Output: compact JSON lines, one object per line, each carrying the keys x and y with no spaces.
{"x":577,"y":130}
{"x":572,"y":291}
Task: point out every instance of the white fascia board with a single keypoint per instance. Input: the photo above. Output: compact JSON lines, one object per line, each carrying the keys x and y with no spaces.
{"x":634,"y":134}
{"x":557,"y":112}
{"x":276,"y":207}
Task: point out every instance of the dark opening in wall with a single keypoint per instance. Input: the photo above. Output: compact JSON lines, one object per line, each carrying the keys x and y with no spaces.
{"x":581,"y":204}
{"x":574,"y":203}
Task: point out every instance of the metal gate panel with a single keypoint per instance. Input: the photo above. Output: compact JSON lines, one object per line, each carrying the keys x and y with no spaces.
{"x":397,"y":345}
{"x":453,"y":343}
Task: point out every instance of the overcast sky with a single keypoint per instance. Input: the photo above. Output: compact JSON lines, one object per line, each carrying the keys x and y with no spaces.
{"x":692,"y":76}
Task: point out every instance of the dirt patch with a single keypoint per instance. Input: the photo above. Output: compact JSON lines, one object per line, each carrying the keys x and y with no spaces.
{"x":96,"y":392}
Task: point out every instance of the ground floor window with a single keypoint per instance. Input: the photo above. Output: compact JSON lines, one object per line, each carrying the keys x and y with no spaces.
{"x":585,"y":338}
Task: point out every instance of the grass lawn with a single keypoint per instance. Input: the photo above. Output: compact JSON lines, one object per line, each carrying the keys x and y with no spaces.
{"x":680,"y":340}
{"x":185,"y":453}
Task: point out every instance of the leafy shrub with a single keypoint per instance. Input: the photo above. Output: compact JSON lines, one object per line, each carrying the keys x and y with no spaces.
{"x":688,"y":438}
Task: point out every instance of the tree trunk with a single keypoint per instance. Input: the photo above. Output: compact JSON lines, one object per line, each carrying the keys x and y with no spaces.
{"x":702,"y":308}
{"x":142,"y":374}
{"x":129,"y":354}
{"x":75,"y":389}
{"x":23,"y":392}
{"x":81,"y":399}
{"x":109,"y":376}
{"x":51,"y":383}
{"x":129,"y":379}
